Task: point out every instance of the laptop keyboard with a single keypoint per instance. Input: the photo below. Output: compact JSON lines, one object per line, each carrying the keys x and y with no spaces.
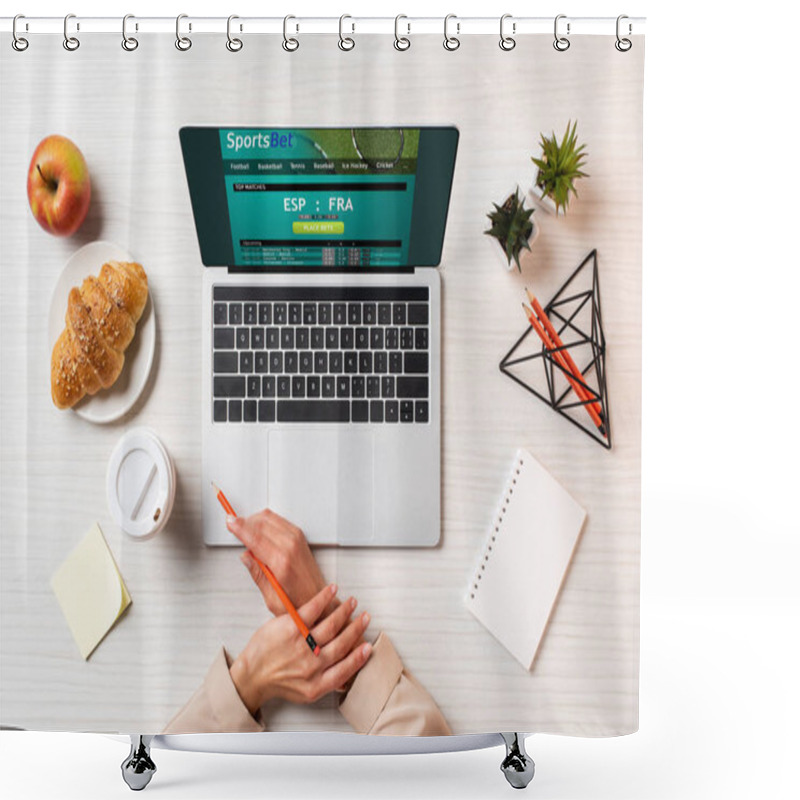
{"x":321,"y":354}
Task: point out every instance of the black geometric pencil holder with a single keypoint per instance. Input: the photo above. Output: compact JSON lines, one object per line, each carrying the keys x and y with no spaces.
{"x":575,"y":313}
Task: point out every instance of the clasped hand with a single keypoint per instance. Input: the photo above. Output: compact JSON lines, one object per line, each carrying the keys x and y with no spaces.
{"x":277,"y":662}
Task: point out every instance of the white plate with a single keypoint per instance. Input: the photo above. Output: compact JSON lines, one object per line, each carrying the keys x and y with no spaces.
{"x":112,"y":403}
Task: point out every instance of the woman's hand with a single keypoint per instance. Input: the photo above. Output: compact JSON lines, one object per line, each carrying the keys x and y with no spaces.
{"x":284,"y":549}
{"x":277,"y":662}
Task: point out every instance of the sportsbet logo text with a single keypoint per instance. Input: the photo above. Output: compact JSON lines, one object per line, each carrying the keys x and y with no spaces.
{"x":261,"y":141}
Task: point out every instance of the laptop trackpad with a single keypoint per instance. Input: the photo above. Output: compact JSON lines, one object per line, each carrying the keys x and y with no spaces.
{"x":321,"y":480}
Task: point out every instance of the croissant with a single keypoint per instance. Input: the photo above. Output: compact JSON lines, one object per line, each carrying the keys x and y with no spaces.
{"x":100,"y":323}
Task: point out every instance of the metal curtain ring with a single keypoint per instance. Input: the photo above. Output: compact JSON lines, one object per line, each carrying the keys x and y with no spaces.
{"x":623,"y":45}
{"x":401,"y":42}
{"x":129,"y":43}
{"x":70,"y":42}
{"x":19,"y":43}
{"x":290,"y":44}
{"x":346,"y":42}
{"x":183,"y":43}
{"x":507,"y":42}
{"x":561,"y":43}
{"x":451,"y":42}
{"x":233,"y":44}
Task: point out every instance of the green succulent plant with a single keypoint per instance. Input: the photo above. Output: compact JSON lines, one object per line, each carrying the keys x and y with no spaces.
{"x":560,"y":166}
{"x":511,"y":226}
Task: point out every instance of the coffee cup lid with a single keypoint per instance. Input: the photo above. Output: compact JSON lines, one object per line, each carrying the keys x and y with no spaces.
{"x":140,"y":483}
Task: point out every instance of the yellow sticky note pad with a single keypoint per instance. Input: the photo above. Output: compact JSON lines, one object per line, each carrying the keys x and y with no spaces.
{"x":90,"y":590}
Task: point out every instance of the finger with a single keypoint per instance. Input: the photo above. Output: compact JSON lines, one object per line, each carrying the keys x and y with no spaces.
{"x":276,"y":529}
{"x":339,"y":647}
{"x":286,"y":541}
{"x":259,"y":578}
{"x":343,"y":670}
{"x":329,"y":627}
{"x":312,"y":610}
{"x":247,"y":530}
{"x":258,"y":533}
{"x":278,"y":522}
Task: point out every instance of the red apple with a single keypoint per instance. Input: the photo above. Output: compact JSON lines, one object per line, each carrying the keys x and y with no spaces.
{"x":59,"y":189}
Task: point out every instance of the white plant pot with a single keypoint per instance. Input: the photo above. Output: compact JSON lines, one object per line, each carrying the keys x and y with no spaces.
{"x":543,"y":201}
{"x":500,"y":253}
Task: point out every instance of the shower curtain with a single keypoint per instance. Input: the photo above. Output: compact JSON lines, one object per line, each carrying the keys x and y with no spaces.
{"x":108,"y":631}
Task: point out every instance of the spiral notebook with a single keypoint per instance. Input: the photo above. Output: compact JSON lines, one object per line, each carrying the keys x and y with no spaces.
{"x":523,"y":564}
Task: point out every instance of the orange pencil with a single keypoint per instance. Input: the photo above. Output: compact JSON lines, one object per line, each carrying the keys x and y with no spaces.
{"x":287,"y":603}
{"x":550,"y":328}
{"x":557,"y":354}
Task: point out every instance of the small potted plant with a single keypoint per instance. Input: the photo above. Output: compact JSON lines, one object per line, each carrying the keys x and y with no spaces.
{"x":513,"y":228}
{"x":558,"y":169}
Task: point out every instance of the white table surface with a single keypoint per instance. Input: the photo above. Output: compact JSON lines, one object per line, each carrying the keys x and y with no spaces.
{"x":124,"y":110}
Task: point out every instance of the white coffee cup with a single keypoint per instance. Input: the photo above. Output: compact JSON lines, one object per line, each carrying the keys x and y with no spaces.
{"x":140,"y":484}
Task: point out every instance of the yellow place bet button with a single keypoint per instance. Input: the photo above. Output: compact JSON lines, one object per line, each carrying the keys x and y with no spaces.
{"x":317,"y":226}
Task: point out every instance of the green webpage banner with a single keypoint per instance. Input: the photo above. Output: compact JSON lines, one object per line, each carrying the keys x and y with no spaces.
{"x":320,"y":197}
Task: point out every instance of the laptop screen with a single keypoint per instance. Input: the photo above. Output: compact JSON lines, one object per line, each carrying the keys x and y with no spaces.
{"x":326,"y":198}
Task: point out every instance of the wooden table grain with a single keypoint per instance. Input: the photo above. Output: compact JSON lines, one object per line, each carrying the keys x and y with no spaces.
{"x":124,"y":111}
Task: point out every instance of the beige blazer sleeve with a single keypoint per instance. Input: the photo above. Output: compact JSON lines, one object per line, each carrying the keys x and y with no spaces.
{"x":387,"y":699}
{"x":383,"y":699}
{"x":216,"y":706}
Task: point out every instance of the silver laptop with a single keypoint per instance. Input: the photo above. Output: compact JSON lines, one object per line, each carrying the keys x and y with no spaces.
{"x":321,"y":326}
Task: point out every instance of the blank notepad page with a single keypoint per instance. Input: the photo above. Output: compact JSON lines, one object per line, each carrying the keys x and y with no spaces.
{"x":527,"y":554}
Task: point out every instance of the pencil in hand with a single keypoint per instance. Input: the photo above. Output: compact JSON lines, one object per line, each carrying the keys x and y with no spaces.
{"x":284,"y":598}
